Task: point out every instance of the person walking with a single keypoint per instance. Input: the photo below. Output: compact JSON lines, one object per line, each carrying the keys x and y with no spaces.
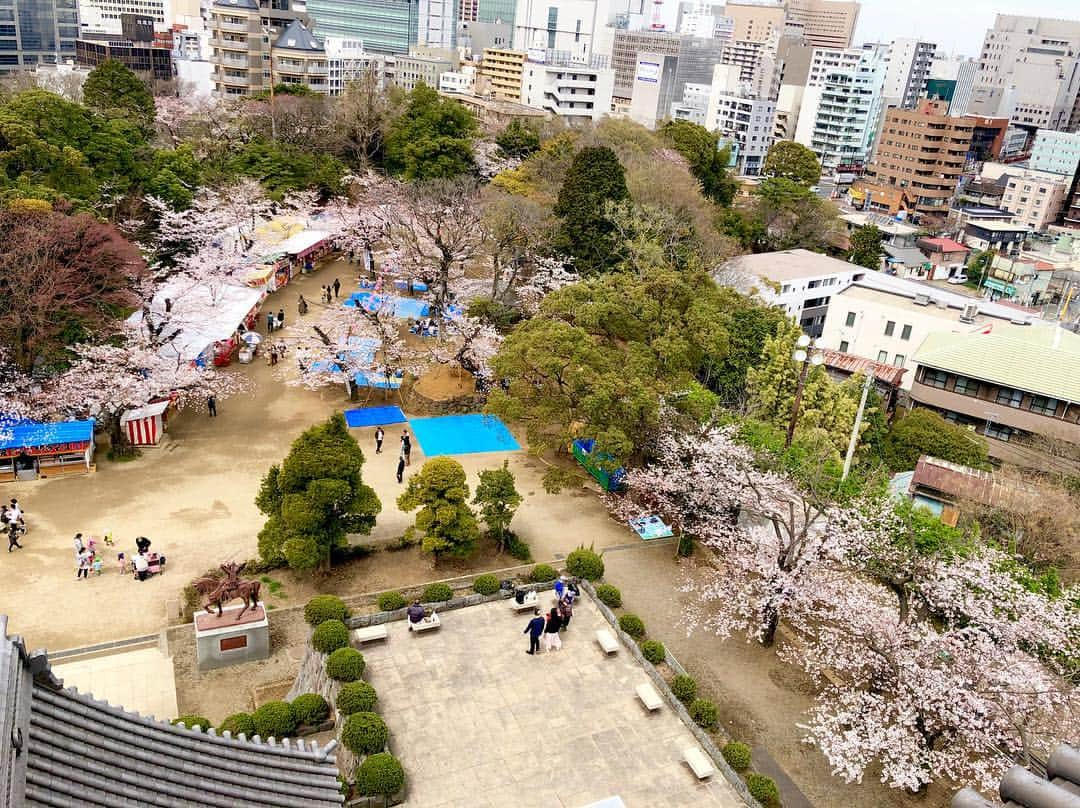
{"x":534,"y":630}
{"x":86,"y":558}
{"x":301,"y":306}
{"x":400,"y":468}
{"x":270,"y":322}
{"x":566,"y":609}
{"x":13,"y":536}
{"x":211,"y":405}
{"x":337,"y":287}
{"x":79,"y":546}
{"x":273,"y":355}
{"x":379,"y":435}
{"x":280,"y":319}
{"x":406,"y":446}
{"x":551,"y":631}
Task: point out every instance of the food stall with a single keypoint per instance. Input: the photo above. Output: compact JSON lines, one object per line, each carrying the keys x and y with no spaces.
{"x":146,"y":425}
{"x":303,"y":249}
{"x":32,"y":449}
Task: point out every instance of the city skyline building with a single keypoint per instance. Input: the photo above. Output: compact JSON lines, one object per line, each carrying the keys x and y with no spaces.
{"x":37,"y":32}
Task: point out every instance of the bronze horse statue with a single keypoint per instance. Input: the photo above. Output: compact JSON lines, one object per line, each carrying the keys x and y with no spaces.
{"x":219,"y":591}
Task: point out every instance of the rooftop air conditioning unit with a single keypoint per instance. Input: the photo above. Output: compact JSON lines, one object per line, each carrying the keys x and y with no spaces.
{"x":968,"y":315}
{"x":922,"y":300}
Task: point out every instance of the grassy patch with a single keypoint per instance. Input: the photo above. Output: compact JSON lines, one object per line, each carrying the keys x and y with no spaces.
{"x":274,"y":587}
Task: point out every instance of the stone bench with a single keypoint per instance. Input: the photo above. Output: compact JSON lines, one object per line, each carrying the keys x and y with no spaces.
{"x":649,"y":697}
{"x":699,"y":762}
{"x":427,"y":624}
{"x":370,"y":634}
{"x":607,"y":641}
{"x":530,"y":601}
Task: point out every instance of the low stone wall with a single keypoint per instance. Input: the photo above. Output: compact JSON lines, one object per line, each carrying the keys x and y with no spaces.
{"x":662,"y":687}
{"x":364,"y":620}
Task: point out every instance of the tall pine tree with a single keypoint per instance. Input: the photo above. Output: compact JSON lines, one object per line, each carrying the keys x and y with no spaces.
{"x":595,"y":178}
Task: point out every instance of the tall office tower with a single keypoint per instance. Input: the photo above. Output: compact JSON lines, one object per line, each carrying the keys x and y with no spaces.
{"x":437,"y":24}
{"x":919,"y":159}
{"x":495,"y":11}
{"x":960,"y":70}
{"x":705,"y":19}
{"x":384,"y":26}
{"x":37,"y":32}
{"x":828,"y":23}
{"x":688,"y":60}
{"x":103,"y":16}
{"x":756,"y":63}
{"x":626,"y":47}
{"x":908,"y":68}
{"x":755,"y":22}
{"x":468,"y":10}
{"x":573,"y":30}
{"x":848,"y":112}
{"x":743,"y":118}
{"x":1029,"y":72}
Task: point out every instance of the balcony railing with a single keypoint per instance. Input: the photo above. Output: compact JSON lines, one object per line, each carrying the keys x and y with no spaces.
{"x":988,"y":409}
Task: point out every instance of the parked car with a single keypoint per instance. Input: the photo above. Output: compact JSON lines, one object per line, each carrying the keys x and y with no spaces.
{"x":958,"y":279}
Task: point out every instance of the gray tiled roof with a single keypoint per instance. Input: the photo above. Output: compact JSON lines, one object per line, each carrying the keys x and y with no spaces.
{"x":76,"y":751}
{"x":296,"y":36}
{"x":249,"y":5}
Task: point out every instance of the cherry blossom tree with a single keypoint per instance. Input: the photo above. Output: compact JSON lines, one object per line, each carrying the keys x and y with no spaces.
{"x":549,"y":274}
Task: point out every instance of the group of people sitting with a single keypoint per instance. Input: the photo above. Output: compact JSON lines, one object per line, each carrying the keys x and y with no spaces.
{"x":425,"y":327}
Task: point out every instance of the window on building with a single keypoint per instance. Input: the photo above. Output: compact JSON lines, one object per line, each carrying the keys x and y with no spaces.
{"x":935,"y":378}
{"x":905,"y":332}
{"x":898,"y":361}
{"x":966,"y":386}
{"x":1043,"y":405}
{"x":890,"y":326}
{"x":998,"y":432}
{"x":883,"y":356}
{"x":850,"y":321}
{"x":843,"y":346}
{"x":1009,"y":397}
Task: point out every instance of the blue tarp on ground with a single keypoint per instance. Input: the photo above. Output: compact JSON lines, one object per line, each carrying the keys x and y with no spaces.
{"x":405,"y":307}
{"x":373,"y":416}
{"x":462,"y":434}
{"x":28,"y":434}
{"x":376,"y":378}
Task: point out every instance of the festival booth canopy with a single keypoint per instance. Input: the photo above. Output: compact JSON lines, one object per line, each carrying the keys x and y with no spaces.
{"x":145,"y":425}
{"x":303,"y":243}
{"x":33,"y":437}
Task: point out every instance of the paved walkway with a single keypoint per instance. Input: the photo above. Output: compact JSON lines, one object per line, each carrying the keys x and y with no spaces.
{"x":141,"y":681}
{"x":477,"y":722}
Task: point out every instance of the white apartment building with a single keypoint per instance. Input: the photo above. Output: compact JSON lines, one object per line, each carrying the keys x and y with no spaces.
{"x":1036,"y":198}
{"x":694,"y":106}
{"x":103,"y":16}
{"x":1056,"y":152}
{"x":886,"y":319}
{"x":848,"y":110}
{"x":743,"y":119}
{"x":575,"y":92}
{"x":907,"y":68}
{"x":829,"y":60}
{"x":458,"y":81}
{"x":705,"y":20}
{"x":436,"y":24}
{"x":573,"y":29}
{"x":347,"y":60}
{"x":959,"y":69}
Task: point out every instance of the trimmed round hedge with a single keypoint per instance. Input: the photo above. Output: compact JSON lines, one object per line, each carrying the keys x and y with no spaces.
{"x":486,"y":585}
{"x":364,"y":733}
{"x":380,"y":773}
{"x":190,"y":720}
{"x":391,"y":601}
{"x":704,"y":713}
{"x":609,"y":595}
{"x":585,"y":563}
{"x":345,"y":665}
{"x":632,"y":625}
{"x":684,"y":687}
{"x":275,"y":719}
{"x":310,"y":709}
{"x":737,"y":755}
{"x":542,"y":573}
{"x":763,"y":789}
{"x":654,"y":651}
{"x":330,"y":636}
{"x":238,"y":723}
{"x":435,"y":593}
{"x":356,"y":697}
{"x":325,"y":607}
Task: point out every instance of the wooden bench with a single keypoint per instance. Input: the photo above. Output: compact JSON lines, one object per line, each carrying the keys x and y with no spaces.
{"x":699,"y":762}
{"x":649,"y":697}
{"x":370,"y":634}
{"x":530,"y":601}
{"x":427,"y":624}
{"x":608,"y":643}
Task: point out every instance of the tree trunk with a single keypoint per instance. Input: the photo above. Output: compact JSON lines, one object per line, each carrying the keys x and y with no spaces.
{"x":118,"y":442}
{"x":770,"y":622}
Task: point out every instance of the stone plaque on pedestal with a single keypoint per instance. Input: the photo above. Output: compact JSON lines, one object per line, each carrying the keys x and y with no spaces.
{"x":226,"y":640}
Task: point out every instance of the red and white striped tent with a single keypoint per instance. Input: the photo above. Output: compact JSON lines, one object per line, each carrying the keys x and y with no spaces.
{"x":145,"y":425}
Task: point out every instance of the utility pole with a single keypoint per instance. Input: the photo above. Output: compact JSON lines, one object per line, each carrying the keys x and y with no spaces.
{"x":807,"y":354}
{"x":855,"y":429}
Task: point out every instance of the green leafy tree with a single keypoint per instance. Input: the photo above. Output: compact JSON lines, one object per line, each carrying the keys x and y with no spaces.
{"x":923,"y":431}
{"x":783,"y":215}
{"x":282,"y":168}
{"x":114,"y":91}
{"x":315,"y":498}
{"x":518,"y":139}
{"x":432,"y":139}
{"x":792,"y":161}
{"x":708,"y":162}
{"x":866,"y":249}
{"x":498,"y":500}
{"x":440,"y":492}
{"x":595,"y":178}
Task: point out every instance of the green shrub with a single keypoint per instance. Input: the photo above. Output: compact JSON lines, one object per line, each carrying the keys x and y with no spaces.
{"x":392,"y":601}
{"x":704,"y":713}
{"x":434,"y":593}
{"x":325,"y":607}
{"x":330,"y":636}
{"x":585,"y":563}
{"x":653,"y":651}
{"x":486,"y":585}
{"x":543,"y":572}
{"x":609,"y":595}
{"x":686,"y":546}
{"x":737,"y":755}
{"x":310,"y":709}
{"x":517,"y":548}
{"x":345,"y":665}
{"x":237,"y":723}
{"x":356,"y":697}
{"x":763,"y":789}
{"x":190,"y":720}
{"x":684,"y":687}
{"x":275,"y":719}
{"x":364,"y":733}
{"x":632,"y":625}
{"x":380,"y":773}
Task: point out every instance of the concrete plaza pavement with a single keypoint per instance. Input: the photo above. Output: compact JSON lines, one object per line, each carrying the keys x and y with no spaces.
{"x":140,"y":681}
{"x":478,"y":722}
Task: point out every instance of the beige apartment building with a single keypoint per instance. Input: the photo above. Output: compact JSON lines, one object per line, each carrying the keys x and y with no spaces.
{"x":826,"y":23}
{"x":919,"y":159}
{"x":238,"y":48}
{"x":755,"y":22}
{"x":499,"y":74}
{"x":299,"y":58}
{"x":1036,"y":198}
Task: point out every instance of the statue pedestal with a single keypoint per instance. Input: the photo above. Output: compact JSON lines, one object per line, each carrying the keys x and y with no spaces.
{"x":226,"y":640}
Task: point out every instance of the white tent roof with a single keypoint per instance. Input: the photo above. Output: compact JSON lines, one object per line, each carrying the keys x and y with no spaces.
{"x":156,"y":408}
{"x":301,"y":241}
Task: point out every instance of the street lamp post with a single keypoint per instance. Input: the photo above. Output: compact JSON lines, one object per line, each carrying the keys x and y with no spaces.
{"x":806,"y":353}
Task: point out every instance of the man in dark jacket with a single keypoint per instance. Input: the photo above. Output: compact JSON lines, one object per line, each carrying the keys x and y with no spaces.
{"x":534,"y":630}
